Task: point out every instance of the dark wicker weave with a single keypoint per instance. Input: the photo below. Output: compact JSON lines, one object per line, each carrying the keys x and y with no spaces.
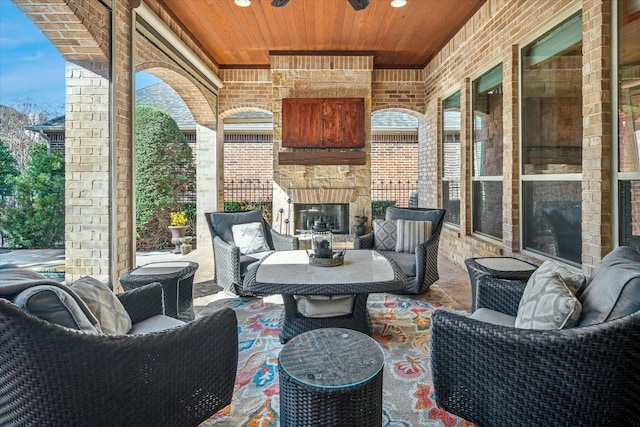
{"x":54,"y":376}
{"x":293,"y":323}
{"x":226,"y":256}
{"x":301,"y":405}
{"x":355,"y":399}
{"x":426,"y":253}
{"x":477,"y":270}
{"x":177,"y":286}
{"x":499,"y":376}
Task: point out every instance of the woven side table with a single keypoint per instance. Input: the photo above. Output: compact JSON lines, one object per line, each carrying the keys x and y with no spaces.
{"x":177,"y":285}
{"x":499,"y":267}
{"x":331,"y":377}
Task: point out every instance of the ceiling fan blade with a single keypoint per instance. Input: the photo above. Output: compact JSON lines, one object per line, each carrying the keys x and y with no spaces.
{"x":279,"y":3}
{"x":359,"y":4}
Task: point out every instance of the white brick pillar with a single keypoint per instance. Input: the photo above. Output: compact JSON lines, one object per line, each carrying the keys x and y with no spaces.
{"x":208,"y":181}
{"x":87,"y":237}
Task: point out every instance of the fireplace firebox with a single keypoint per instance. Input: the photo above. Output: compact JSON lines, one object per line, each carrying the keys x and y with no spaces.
{"x":335,"y":215}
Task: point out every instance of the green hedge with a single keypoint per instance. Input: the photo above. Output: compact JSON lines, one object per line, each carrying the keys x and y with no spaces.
{"x":379,"y":208}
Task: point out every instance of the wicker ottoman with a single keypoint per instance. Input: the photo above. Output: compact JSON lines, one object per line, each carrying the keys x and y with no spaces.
{"x":331,"y":377}
{"x":177,"y":285}
{"x":499,"y":267}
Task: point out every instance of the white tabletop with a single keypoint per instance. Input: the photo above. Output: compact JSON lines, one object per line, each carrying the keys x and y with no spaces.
{"x":291,"y":267}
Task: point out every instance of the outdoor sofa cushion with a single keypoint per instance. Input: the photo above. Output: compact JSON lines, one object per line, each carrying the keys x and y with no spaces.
{"x":249,"y":261}
{"x":414,"y":215}
{"x":405,"y":260}
{"x":613,"y":290}
{"x":60,"y":304}
{"x":55,"y":305}
{"x":223,"y":223}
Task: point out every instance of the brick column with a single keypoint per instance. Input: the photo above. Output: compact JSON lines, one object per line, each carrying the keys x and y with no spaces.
{"x":87,"y":234}
{"x":208,"y":180}
{"x":597,"y":147}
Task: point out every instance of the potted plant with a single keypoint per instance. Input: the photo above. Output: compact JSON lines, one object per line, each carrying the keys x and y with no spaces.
{"x":178,"y":227}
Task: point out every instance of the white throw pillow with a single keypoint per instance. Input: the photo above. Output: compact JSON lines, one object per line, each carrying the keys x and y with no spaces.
{"x":384,"y":234}
{"x":547,"y":301}
{"x":249,"y":237}
{"x":104,"y":304}
{"x":411,"y":234}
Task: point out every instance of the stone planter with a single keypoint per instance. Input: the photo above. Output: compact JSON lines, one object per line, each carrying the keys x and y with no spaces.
{"x":176,"y":233}
{"x":186,"y":246}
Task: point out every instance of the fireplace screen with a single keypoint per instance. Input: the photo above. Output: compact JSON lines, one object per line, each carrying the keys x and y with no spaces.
{"x":335,"y":215}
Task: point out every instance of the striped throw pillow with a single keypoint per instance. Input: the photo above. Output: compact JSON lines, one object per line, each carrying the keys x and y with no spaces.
{"x":411,"y":234}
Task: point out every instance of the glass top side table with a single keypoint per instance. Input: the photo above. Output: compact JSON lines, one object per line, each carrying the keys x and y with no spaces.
{"x":331,"y":376}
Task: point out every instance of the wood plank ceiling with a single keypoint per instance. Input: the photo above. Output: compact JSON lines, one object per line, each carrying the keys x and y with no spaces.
{"x":243,"y":37}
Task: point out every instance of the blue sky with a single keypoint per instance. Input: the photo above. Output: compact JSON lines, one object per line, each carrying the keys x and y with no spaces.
{"x":31,"y":68}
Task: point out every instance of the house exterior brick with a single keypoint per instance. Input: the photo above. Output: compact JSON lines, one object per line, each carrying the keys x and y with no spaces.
{"x":100,"y":201}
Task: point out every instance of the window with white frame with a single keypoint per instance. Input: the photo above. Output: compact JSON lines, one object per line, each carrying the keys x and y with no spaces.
{"x":451,"y":158}
{"x":628,"y":123}
{"x":551,"y":94}
{"x":487,"y":154}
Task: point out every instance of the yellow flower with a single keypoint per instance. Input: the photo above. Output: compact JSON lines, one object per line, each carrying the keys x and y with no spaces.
{"x":178,"y":219}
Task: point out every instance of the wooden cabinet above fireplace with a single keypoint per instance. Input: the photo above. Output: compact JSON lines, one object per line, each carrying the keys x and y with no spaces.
{"x":323,"y":122}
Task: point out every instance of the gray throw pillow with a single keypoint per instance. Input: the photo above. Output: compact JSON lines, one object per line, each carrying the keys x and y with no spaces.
{"x":613,"y":290}
{"x":547,"y":302}
{"x":54,"y":305}
{"x":104,"y":304}
{"x":384,"y":235}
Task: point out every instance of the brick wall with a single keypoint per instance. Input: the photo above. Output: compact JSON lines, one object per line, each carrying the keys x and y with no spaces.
{"x":397,"y":161}
{"x":493,"y":35}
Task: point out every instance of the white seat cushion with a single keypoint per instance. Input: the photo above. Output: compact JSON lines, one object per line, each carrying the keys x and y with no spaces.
{"x":320,"y":306}
{"x":155,"y":323}
{"x":494,"y":317}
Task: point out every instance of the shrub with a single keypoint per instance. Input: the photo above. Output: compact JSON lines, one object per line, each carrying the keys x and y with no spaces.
{"x":35,"y":219}
{"x":241,"y":206}
{"x":8,"y":170}
{"x":379,"y":208}
{"x":163,"y":170}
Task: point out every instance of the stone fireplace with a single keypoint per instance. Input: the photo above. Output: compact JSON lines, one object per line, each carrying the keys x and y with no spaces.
{"x":329,"y":205}
{"x":325,"y":176}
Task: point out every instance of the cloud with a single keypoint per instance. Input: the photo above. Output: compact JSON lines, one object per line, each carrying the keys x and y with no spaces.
{"x":36,"y":56}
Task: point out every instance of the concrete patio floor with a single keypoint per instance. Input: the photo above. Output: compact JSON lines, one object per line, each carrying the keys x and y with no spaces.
{"x":454,"y":279}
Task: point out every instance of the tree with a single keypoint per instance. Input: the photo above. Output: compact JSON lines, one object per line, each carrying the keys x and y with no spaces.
{"x":14,"y":120}
{"x":8,"y":170}
{"x":163,"y":170}
{"x":36,"y":218}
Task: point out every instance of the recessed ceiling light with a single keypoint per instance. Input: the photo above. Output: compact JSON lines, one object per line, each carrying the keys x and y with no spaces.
{"x":243,"y":3}
{"x":398,"y":3}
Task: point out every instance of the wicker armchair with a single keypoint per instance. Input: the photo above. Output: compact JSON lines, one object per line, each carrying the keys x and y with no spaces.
{"x":420,"y":268}
{"x":231,"y":265}
{"x":496,"y":375}
{"x":54,"y":375}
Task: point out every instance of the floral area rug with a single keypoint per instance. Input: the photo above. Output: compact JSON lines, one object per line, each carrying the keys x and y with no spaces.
{"x":401,"y":325}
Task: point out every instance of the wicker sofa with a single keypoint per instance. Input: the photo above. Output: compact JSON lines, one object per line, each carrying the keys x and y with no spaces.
{"x":160,"y":372}
{"x":490,"y":372}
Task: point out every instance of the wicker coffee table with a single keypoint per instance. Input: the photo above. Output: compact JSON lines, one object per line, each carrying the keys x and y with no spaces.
{"x":177,"y":285}
{"x":289,"y":273}
{"x":331,"y":377}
